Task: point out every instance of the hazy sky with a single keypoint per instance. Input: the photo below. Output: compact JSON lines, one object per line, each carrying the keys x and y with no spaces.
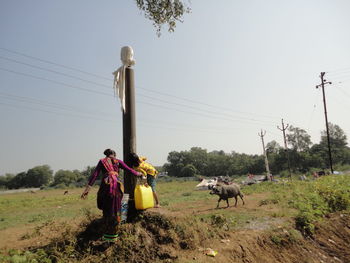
{"x":231,"y":68}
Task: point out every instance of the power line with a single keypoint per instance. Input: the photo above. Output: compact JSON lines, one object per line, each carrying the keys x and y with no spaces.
{"x":195,"y":113}
{"x":210,"y":112}
{"x":205,"y":104}
{"x":344,"y":80}
{"x":54,"y":81}
{"x":53,"y":63}
{"x":70,"y":108}
{"x":343,"y":91}
{"x":110,"y":79}
{"x":340,"y":79}
{"x":106,"y":86}
{"x":56,"y":113}
{"x":338,"y":70}
{"x":340,"y":75}
{"x":107,"y":94}
{"x":141,"y":123}
{"x":183,"y":125}
{"x":54,"y":71}
{"x":51,"y":104}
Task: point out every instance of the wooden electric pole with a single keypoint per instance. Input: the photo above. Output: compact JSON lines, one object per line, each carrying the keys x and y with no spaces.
{"x":323,"y":82}
{"x":283,"y":129}
{"x":262,"y":134}
{"x":129,"y":130}
{"x":124,"y":85}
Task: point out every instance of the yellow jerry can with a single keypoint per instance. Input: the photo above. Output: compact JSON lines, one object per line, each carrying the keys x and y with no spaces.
{"x":143,"y":197}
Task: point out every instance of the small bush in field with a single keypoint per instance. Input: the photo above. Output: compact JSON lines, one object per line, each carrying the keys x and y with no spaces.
{"x":335,"y":193}
{"x":328,"y":194}
{"x":218,"y":220}
{"x":304,"y":223}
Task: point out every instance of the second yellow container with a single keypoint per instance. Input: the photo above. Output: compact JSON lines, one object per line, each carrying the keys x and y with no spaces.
{"x":143,"y":197}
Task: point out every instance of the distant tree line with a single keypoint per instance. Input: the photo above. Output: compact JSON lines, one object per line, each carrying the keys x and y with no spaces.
{"x":43,"y":176}
{"x":304,"y":156}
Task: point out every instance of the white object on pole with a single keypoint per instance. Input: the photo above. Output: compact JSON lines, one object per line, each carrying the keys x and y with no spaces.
{"x":127,"y":58}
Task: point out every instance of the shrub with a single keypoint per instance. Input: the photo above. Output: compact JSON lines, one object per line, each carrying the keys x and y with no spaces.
{"x":304,"y":223}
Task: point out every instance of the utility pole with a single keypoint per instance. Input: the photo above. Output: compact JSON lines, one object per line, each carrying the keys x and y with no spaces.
{"x":285,"y":146}
{"x":323,"y":82}
{"x":129,"y":130}
{"x":262,"y":134}
{"x":124,"y":85}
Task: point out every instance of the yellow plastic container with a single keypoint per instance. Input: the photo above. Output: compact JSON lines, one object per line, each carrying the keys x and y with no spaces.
{"x":143,"y":197}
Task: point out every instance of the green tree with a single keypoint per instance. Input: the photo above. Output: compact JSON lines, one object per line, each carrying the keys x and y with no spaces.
{"x":39,"y":176}
{"x":65,"y":177}
{"x":188,"y":171}
{"x":273,"y":147}
{"x":175,"y":163}
{"x":337,"y":136}
{"x":5,"y":179}
{"x":197,"y":157}
{"x":338,"y":141}
{"x":319,"y":155}
{"x":245,"y":163}
{"x":218,"y":164}
{"x":298,"y":139}
{"x":19,"y":181}
{"x":162,"y":12}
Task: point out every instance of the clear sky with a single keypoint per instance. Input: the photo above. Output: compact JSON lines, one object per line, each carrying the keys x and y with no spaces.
{"x":231,"y":68}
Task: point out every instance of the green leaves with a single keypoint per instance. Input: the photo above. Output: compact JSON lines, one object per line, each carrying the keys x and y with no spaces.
{"x":163,"y":12}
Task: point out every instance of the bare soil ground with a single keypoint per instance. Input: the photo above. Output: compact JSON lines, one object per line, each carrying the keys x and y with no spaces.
{"x":170,"y":235}
{"x":330,"y":244}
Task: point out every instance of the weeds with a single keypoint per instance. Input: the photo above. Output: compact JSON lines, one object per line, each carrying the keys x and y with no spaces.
{"x":268,"y":201}
{"x":308,"y":202}
{"x":283,"y":237}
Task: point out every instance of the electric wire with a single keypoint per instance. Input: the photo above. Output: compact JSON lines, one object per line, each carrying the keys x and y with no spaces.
{"x":105,"y":86}
{"x":54,"y":71}
{"x":56,"y":113}
{"x":141,"y":123}
{"x":108,"y":87}
{"x":53,"y":63}
{"x":110,"y":79}
{"x":51,"y":104}
{"x":241,"y":119}
{"x":54,"y":81}
{"x":200,"y":114}
{"x":74,"y":109}
{"x":107,"y":94}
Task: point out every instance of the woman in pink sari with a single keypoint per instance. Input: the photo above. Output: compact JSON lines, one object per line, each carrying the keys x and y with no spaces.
{"x":111,"y":191}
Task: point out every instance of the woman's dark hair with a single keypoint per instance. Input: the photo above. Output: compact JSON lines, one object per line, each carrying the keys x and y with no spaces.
{"x":134,"y":159}
{"x":108,"y":152}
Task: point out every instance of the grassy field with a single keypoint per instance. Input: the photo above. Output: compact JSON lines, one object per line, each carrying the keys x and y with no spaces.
{"x":34,"y":208}
{"x":299,"y":204}
{"x":327,"y":194}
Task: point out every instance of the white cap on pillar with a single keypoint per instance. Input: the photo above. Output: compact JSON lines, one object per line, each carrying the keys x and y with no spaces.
{"x":127,"y":56}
